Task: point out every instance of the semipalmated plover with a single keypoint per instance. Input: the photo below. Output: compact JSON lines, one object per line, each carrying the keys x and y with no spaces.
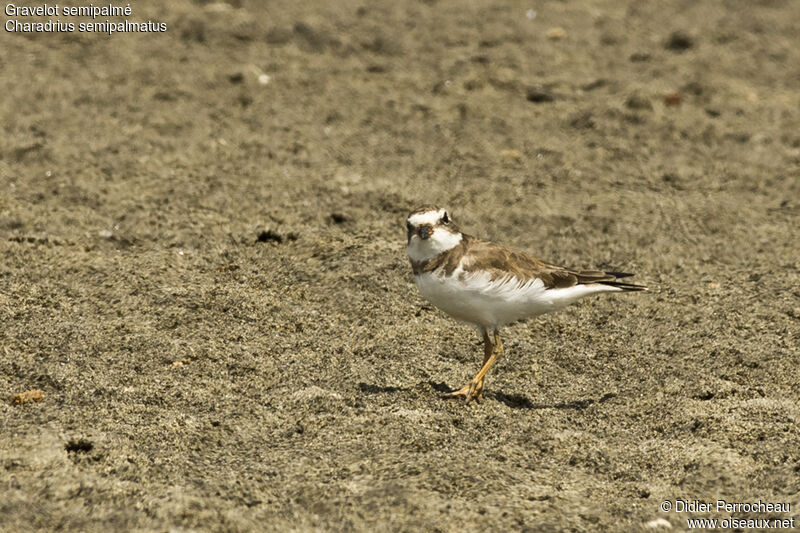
{"x":489,"y":285}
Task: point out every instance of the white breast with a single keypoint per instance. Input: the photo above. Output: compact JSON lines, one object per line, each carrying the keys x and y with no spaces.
{"x":476,"y":299}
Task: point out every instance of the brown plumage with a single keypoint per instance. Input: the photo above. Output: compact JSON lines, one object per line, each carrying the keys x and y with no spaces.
{"x":504,"y":262}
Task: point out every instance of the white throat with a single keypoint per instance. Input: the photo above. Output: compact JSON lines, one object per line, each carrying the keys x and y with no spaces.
{"x":440,"y":241}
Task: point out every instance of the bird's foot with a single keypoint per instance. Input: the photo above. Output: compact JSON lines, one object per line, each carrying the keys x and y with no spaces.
{"x":471,"y":391}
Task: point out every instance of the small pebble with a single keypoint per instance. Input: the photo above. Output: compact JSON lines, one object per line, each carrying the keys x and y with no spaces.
{"x":34,"y":395}
{"x":658,"y":523}
{"x":596,"y":84}
{"x":679,"y":41}
{"x":538,"y":95}
{"x":511,"y":153}
{"x":673,"y":99}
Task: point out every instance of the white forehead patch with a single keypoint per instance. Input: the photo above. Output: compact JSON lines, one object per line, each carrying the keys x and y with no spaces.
{"x":428,"y":217}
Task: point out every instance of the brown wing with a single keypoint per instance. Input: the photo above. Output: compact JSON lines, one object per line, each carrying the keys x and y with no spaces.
{"x":502,"y":261}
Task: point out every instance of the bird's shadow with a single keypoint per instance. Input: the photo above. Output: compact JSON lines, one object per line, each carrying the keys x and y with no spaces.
{"x":519,"y":401}
{"x":515,"y":401}
{"x":369,"y":388}
{"x":441,"y":387}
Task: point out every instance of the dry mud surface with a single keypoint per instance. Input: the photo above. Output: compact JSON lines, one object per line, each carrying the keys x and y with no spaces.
{"x":203,"y":268}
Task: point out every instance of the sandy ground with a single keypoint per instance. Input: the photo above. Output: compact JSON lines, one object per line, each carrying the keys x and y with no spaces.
{"x":203,"y":266}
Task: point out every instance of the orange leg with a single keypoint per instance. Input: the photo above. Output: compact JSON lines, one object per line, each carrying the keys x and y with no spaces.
{"x":492,"y":349}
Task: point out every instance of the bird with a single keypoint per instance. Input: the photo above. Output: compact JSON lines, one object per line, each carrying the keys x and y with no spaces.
{"x":489,"y":285}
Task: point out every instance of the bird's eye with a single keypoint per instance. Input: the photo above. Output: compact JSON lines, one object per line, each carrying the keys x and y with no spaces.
{"x":445,"y":218}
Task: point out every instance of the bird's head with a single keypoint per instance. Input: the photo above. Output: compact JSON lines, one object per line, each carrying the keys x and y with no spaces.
{"x":431,"y":231}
